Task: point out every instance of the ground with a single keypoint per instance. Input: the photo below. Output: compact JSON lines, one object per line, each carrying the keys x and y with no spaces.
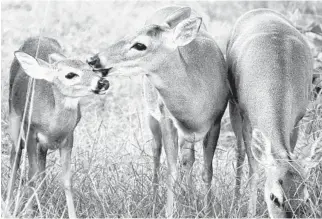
{"x":112,"y":158}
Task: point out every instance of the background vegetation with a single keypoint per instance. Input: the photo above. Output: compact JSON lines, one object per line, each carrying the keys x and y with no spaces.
{"x":112,"y":158}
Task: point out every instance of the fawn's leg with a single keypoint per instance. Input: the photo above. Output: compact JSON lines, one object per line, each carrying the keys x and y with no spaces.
{"x":42,"y":155}
{"x":65,"y":156}
{"x":32,"y":150}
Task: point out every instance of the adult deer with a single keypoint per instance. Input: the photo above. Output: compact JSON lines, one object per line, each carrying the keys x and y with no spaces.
{"x":185,"y":87}
{"x":60,"y":84}
{"x":269,"y":67}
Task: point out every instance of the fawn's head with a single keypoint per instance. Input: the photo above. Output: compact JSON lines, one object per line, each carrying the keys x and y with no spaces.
{"x":147,"y":49}
{"x":72,"y":78}
{"x":285,"y":186}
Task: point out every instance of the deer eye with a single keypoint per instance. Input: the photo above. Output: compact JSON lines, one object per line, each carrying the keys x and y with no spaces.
{"x":139,"y":46}
{"x":71,"y":75}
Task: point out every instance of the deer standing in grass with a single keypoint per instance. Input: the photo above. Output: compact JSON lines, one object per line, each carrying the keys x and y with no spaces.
{"x":185,"y":87}
{"x":269,"y":68}
{"x":60,"y":84}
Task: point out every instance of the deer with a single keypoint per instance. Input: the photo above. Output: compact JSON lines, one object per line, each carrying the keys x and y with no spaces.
{"x":185,"y":88}
{"x":270,"y":71}
{"x":60,"y":84}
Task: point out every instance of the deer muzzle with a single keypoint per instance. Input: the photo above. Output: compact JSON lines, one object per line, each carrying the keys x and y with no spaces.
{"x":102,"y":86}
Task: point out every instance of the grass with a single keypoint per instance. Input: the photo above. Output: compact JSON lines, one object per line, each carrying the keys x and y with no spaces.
{"x":112,"y":158}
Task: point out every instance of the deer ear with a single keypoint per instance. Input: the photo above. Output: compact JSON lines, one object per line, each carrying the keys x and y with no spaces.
{"x":55,"y":57}
{"x":260,"y":145}
{"x":179,"y":15}
{"x":186,"y":31}
{"x":35,"y":68}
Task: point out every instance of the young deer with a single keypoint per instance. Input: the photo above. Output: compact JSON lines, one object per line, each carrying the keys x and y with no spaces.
{"x":270,"y":68}
{"x":185,"y":87}
{"x":60,"y":84}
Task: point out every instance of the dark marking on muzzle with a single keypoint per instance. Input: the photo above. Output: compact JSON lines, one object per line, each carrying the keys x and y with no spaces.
{"x":102,"y":85}
{"x":94,"y":61}
{"x":276,"y":201}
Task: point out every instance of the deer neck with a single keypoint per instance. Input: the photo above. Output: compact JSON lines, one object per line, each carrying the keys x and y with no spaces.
{"x":171,"y":77}
{"x":174,"y":83}
{"x":64,"y":103}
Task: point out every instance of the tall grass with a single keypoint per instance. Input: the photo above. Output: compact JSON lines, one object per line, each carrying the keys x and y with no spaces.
{"x":112,"y":158}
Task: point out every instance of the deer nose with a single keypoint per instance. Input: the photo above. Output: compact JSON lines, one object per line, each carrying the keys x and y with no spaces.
{"x":103,"y":84}
{"x":93,"y":61}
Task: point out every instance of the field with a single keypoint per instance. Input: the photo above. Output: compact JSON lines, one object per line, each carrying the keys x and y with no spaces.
{"x":112,"y":158}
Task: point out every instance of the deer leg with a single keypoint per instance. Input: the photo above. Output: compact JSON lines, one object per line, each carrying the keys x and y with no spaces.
{"x":187,"y":160}
{"x":32,"y":148}
{"x":236,"y":123}
{"x":65,"y":156}
{"x":209,"y":147}
{"x":253,"y":168}
{"x":156,"y":150}
{"x":42,"y":154}
{"x":170,"y":142}
{"x":37,"y":168}
{"x":15,"y":155}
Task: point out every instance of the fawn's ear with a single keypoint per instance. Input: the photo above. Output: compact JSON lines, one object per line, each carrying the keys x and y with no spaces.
{"x":55,"y":57}
{"x":186,"y":31}
{"x":35,"y":68}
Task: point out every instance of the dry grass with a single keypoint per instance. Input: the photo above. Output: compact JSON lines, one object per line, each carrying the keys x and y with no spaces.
{"x":112,"y":158}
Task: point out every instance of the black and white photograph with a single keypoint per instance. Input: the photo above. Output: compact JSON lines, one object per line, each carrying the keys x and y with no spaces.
{"x":161,"y":109}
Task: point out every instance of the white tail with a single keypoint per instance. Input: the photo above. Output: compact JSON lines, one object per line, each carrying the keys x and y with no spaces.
{"x":270,"y":70}
{"x":185,"y":86}
{"x":59,"y":86}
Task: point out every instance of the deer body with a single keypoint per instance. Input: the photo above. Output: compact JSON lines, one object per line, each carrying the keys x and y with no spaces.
{"x":192,"y":75}
{"x":270,"y":68}
{"x":47,"y":116}
{"x":59,"y":85}
{"x":185,"y":87}
{"x":51,"y":108}
{"x":191,"y":85}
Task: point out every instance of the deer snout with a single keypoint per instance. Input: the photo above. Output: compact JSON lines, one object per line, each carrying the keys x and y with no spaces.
{"x":94,"y":61}
{"x":102,"y":86}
